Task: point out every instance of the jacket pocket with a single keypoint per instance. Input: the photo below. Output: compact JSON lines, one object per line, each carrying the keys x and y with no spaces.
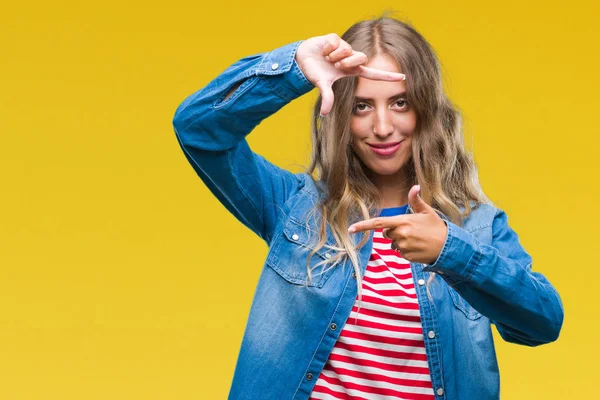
{"x":289,"y":253}
{"x":463,"y":306}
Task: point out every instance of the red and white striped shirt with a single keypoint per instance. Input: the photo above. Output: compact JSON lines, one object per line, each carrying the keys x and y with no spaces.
{"x":380,"y":353}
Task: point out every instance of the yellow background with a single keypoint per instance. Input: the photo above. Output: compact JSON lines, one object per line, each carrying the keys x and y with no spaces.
{"x":121,"y":277}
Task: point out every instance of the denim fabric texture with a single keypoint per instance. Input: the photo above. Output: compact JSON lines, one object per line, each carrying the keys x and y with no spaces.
{"x":484,"y":276}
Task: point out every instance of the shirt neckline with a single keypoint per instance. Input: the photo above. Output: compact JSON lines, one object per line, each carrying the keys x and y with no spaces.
{"x":391,"y":211}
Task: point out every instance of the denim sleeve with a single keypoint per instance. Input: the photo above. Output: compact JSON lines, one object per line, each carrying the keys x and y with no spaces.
{"x":497,"y":281}
{"x":211,"y":131}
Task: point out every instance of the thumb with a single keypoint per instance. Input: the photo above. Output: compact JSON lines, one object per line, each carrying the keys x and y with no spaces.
{"x":326,"y":97}
{"x":416,"y":202}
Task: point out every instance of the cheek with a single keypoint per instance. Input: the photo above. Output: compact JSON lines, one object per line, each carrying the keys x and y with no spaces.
{"x":408,"y":148}
{"x":407,"y":123}
{"x":357,"y":129}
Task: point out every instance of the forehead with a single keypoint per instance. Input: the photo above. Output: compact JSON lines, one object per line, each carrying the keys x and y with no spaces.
{"x":372,"y":89}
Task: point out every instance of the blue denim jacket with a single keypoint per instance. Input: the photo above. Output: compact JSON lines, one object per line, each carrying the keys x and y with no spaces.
{"x":484,"y":274}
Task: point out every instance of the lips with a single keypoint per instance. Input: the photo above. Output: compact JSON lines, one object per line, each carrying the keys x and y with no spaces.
{"x":385,"y":149}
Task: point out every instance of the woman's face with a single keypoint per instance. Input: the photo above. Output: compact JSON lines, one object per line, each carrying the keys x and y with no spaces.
{"x":383,"y":122}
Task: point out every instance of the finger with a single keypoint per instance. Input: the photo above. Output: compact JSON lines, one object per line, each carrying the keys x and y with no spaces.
{"x":326,"y":97}
{"x":384,"y":233}
{"x":376,"y":223}
{"x":416,"y":202}
{"x":380,"y":75}
{"x":357,"y":58}
{"x":332,"y":41}
{"x":344,"y":50}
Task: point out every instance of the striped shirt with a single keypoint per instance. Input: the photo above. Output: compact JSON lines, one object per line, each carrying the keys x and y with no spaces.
{"x":380,"y":353}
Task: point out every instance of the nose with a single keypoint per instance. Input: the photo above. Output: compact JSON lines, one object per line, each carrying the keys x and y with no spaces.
{"x":382,"y":125}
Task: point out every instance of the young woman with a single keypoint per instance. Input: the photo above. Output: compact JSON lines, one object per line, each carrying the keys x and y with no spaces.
{"x":387,"y":265}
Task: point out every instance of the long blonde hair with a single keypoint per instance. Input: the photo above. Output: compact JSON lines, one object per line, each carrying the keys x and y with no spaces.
{"x":439,"y":162}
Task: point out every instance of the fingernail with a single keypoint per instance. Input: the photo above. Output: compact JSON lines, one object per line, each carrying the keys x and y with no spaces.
{"x":352,"y":229}
{"x":327,"y":58}
{"x":337,"y":64}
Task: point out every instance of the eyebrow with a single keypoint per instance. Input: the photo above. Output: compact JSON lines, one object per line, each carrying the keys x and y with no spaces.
{"x":394,"y":97}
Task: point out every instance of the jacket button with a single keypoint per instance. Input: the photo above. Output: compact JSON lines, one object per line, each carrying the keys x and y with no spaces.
{"x":295,"y":237}
{"x":421,"y":282}
{"x":327,"y":255}
{"x":333,"y":327}
{"x":309,"y":376}
{"x":431,"y":334}
{"x":354,"y":275}
{"x":274,"y":66}
{"x":440,"y":392}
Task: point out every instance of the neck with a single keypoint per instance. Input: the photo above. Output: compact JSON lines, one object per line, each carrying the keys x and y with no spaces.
{"x":393,"y":188}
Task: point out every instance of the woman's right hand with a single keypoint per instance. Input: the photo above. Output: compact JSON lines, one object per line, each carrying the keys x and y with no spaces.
{"x":325,"y":59}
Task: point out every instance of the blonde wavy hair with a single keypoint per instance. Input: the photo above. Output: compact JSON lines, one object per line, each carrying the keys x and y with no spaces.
{"x":439,"y":161}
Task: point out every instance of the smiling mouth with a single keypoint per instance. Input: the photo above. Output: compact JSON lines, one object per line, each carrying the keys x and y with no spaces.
{"x":385,"y":149}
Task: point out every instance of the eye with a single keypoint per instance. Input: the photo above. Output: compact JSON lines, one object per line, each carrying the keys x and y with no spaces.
{"x":402,"y":103}
{"x":359,"y":107}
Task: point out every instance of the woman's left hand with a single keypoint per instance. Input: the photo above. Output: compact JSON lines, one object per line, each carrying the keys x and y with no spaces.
{"x":419,"y":237}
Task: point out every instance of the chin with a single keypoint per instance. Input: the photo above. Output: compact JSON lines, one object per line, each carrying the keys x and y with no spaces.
{"x":385,"y":171}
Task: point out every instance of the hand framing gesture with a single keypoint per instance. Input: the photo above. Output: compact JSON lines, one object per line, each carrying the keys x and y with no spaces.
{"x":325,"y":59}
{"x":419,"y":237}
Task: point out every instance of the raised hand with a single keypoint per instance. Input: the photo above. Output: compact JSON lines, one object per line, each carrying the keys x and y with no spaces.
{"x":419,"y":237}
{"x":325,"y":59}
